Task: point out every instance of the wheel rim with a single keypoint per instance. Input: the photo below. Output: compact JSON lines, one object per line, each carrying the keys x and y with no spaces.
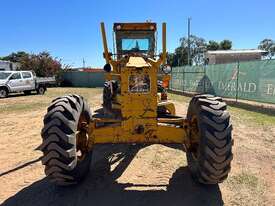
{"x":41,"y":90}
{"x":82,"y":138}
{"x":194,"y":138}
{"x":3,"y":93}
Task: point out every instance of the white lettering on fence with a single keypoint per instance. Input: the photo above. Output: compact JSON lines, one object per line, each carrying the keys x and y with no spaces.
{"x":270,"y":90}
{"x":246,"y":87}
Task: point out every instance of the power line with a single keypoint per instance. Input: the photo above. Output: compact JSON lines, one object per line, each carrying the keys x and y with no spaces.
{"x":84,"y":66}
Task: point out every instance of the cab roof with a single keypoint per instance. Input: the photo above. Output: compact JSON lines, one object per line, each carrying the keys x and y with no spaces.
{"x":144,"y":26}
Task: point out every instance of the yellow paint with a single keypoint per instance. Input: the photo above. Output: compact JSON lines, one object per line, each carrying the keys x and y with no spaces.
{"x":138,"y":110}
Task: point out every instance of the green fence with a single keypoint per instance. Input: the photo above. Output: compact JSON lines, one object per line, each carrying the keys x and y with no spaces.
{"x":254,"y":80}
{"x":83,"y":79}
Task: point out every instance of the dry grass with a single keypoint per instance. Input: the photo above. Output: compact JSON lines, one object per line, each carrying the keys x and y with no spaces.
{"x":157,"y":175}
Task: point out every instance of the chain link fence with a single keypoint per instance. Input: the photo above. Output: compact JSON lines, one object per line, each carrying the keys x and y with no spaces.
{"x":253,"y":80}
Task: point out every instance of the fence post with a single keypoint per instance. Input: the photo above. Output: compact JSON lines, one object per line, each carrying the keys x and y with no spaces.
{"x":171,"y":82}
{"x":183,"y":77}
{"x":237,"y":87}
{"x":204,"y":78}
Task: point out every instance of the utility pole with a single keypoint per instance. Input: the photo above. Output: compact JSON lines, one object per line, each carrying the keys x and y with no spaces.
{"x":83,"y":63}
{"x":188,"y":41}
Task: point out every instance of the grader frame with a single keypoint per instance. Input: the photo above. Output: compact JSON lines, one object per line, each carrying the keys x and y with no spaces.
{"x":133,"y":112}
{"x":139,"y":122}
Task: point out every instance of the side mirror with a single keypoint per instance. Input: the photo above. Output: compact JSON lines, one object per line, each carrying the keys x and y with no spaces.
{"x":166,"y":69}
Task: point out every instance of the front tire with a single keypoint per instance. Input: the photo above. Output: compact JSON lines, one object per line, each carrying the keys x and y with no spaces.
{"x":60,"y":147}
{"x":210,"y":154}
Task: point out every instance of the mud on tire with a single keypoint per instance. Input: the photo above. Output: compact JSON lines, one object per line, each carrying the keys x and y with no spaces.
{"x":62,"y":165}
{"x":209,"y":159}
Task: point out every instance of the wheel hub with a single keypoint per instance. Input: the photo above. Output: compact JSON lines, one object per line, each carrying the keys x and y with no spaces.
{"x":3,"y":93}
{"x":194,"y":137}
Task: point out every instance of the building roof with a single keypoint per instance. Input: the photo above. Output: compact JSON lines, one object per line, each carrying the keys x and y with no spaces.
{"x":241,"y":51}
{"x":86,"y":69}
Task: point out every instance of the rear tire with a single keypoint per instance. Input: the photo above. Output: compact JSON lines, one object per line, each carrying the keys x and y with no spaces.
{"x":60,"y":149}
{"x":3,"y":93}
{"x":209,"y":157}
{"x":107,"y":96}
{"x":109,"y":92}
{"x":41,"y":90}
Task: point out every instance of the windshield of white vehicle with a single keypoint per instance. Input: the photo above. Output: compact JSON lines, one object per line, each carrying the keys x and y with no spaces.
{"x":4,"y":75}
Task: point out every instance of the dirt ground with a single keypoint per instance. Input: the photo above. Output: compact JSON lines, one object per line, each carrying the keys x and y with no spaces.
{"x":132,"y":174}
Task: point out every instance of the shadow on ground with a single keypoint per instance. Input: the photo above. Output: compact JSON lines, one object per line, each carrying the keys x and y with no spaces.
{"x":12,"y":95}
{"x":20,"y":167}
{"x":101,"y":187}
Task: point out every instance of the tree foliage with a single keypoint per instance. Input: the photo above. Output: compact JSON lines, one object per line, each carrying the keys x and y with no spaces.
{"x":198,"y":47}
{"x":43,"y":64}
{"x":178,"y":58}
{"x":213,"y":45}
{"x":269,"y":46}
{"x":225,"y":44}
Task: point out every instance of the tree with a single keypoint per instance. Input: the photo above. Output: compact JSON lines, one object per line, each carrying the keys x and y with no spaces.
{"x":269,"y":46}
{"x":15,"y":57}
{"x":225,"y":44}
{"x":43,"y":64}
{"x":197,"y":48}
{"x":213,"y":45}
{"x":178,"y":58}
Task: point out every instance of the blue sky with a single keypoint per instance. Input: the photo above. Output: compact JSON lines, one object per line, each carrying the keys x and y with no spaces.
{"x":69,"y":29}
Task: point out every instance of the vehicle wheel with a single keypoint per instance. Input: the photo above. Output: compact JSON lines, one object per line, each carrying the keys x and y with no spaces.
{"x":66,"y":157}
{"x":109,"y":91}
{"x":4,"y":93}
{"x":209,"y":154}
{"x":27,"y":92}
{"x":41,"y":90}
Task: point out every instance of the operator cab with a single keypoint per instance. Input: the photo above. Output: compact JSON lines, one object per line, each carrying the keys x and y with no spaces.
{"x":135,"y":39}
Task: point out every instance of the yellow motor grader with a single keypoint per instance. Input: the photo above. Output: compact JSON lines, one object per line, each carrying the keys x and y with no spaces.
{"x":135,"y":110}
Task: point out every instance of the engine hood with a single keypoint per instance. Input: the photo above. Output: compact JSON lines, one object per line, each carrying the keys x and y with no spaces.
{"x":3,"y":82}
{"x":138,"y":62}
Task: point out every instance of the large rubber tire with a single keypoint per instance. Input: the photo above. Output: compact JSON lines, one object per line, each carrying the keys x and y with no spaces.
{"x":41,"y":90}
{"x":107,"y":96}
{"x":4,"y":93}
{"x":59,"y":147}
{"x":209,"y":160}
{"x":109,"y":92}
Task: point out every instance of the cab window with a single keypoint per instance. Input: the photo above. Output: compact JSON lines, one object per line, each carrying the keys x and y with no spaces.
{"x":26,"y":75}
{"x":15,"y":76}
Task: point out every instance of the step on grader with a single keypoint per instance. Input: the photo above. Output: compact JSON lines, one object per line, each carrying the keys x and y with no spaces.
{"x":135,"y":110}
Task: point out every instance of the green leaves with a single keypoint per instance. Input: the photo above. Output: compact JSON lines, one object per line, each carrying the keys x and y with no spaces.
{"x":43,"y":64}
{"x":269,"y":46}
